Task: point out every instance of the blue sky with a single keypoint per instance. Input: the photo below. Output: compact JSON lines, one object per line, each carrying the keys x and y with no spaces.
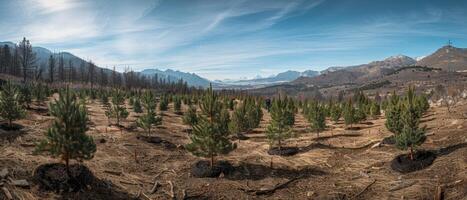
{"x":220,"y":39}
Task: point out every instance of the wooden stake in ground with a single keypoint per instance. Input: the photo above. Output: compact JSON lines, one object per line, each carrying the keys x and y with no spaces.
{"x":364,"y":189}
{"x":272,"y":190}
{"x":439,"y":195}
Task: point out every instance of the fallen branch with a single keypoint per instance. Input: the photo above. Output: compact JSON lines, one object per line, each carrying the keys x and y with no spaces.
{"x":364,"y":189}
{"x":146,"y":196}
{"x":128,"y":183}
{"x":154,"y":187}
{"x":27,"y":144}
{"x":7,"y":193}
{"x":272,"y":190}
{"x":453,"y":183}
{"x":113,"y":172}
{"x":171,"y":193}
{"x":402,"y":185}
{"x":163,"y":171}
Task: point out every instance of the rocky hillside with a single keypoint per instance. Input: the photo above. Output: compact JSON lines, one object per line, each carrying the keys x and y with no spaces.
{"x":358,"y":73}
{"x":448,"y":58}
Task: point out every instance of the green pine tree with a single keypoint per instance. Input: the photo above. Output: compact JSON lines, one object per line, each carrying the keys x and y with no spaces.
{"x":411,"y":134}
{"x":421,"y":104}
{"x":280,"y":127}
{"x":393,"y":112}
{"x":375,"y":110}
{"x":117,"y":110}
{"x":40,"y":93}
{"x":349,"y":114}
{"x":316,"y":117}
{"x":210,"y":136}
{"x":104,"y":98}
{"x":239,"y":123}
{"x":137,"y":105}
{"x":67,"y":136}
{"x":10,"y":106}
{"x":190,"y":117}
{"x":150,"y":118}
{"x":231,"y":104}
{"x":360,"y":112}
{"x":164,"y":103}
{"x":335,"y":112}
{"x":254,"y":113}
{"x":26,"y":95}
{"x":177,"y":105}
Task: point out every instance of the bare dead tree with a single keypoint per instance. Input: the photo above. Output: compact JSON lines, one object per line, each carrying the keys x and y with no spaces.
{"x":26,"y":57}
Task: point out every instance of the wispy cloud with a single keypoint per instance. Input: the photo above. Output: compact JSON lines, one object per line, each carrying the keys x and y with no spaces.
{"x":215,"y":38}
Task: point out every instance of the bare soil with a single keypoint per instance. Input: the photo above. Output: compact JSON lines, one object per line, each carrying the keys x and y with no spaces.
{"x":340,"y":164}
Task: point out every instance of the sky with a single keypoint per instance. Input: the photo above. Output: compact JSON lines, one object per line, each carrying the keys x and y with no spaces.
{"x":232,"y":39}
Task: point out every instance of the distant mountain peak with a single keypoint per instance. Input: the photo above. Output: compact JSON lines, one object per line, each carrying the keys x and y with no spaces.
{"x":447,"y":57}
{"x":399,"y":56}
{"x":191,"y":78}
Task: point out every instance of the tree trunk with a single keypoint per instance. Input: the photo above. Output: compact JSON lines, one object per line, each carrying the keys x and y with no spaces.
{"x":9,"y":123}
{"x":212,"y":161}
{"x":411,"y":152}
{"x":67,"y":165}
{"x":280,"y":145}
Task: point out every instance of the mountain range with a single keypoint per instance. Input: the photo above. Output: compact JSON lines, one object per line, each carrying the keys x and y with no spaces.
{"x":282,"y":77}
{"x":192,"y":79}
{"x":447,"y":58}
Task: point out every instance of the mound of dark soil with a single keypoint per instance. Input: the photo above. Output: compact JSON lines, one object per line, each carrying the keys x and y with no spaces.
{"x":202,"y":169}
{"x":54,"y":177}
{"x":13,"y":127}
{"x":283,"y":151}
{"x":389,"y":140}
{"x":158,"y":141}
{"x":422,"y":159}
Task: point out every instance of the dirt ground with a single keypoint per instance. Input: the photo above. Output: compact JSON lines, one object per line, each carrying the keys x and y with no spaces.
{"x":341,"y":164}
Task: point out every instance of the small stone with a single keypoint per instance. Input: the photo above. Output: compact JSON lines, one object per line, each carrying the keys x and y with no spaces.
{"x":4,"y":173}
{"x":309,"y":194}
{"x":20,"y":183}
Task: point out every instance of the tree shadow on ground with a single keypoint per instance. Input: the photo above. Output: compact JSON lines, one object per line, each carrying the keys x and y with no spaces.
{"x":337,"y":135}
{"x":157,"y":141}
{"x":449,"y":149}
{"x":40,"y":110}
{"x":78,"y":183}
{"x":248,"y":171}
{"x":318,"y":145}
{"x":427,"y":120}
{"x":10,"y":134}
